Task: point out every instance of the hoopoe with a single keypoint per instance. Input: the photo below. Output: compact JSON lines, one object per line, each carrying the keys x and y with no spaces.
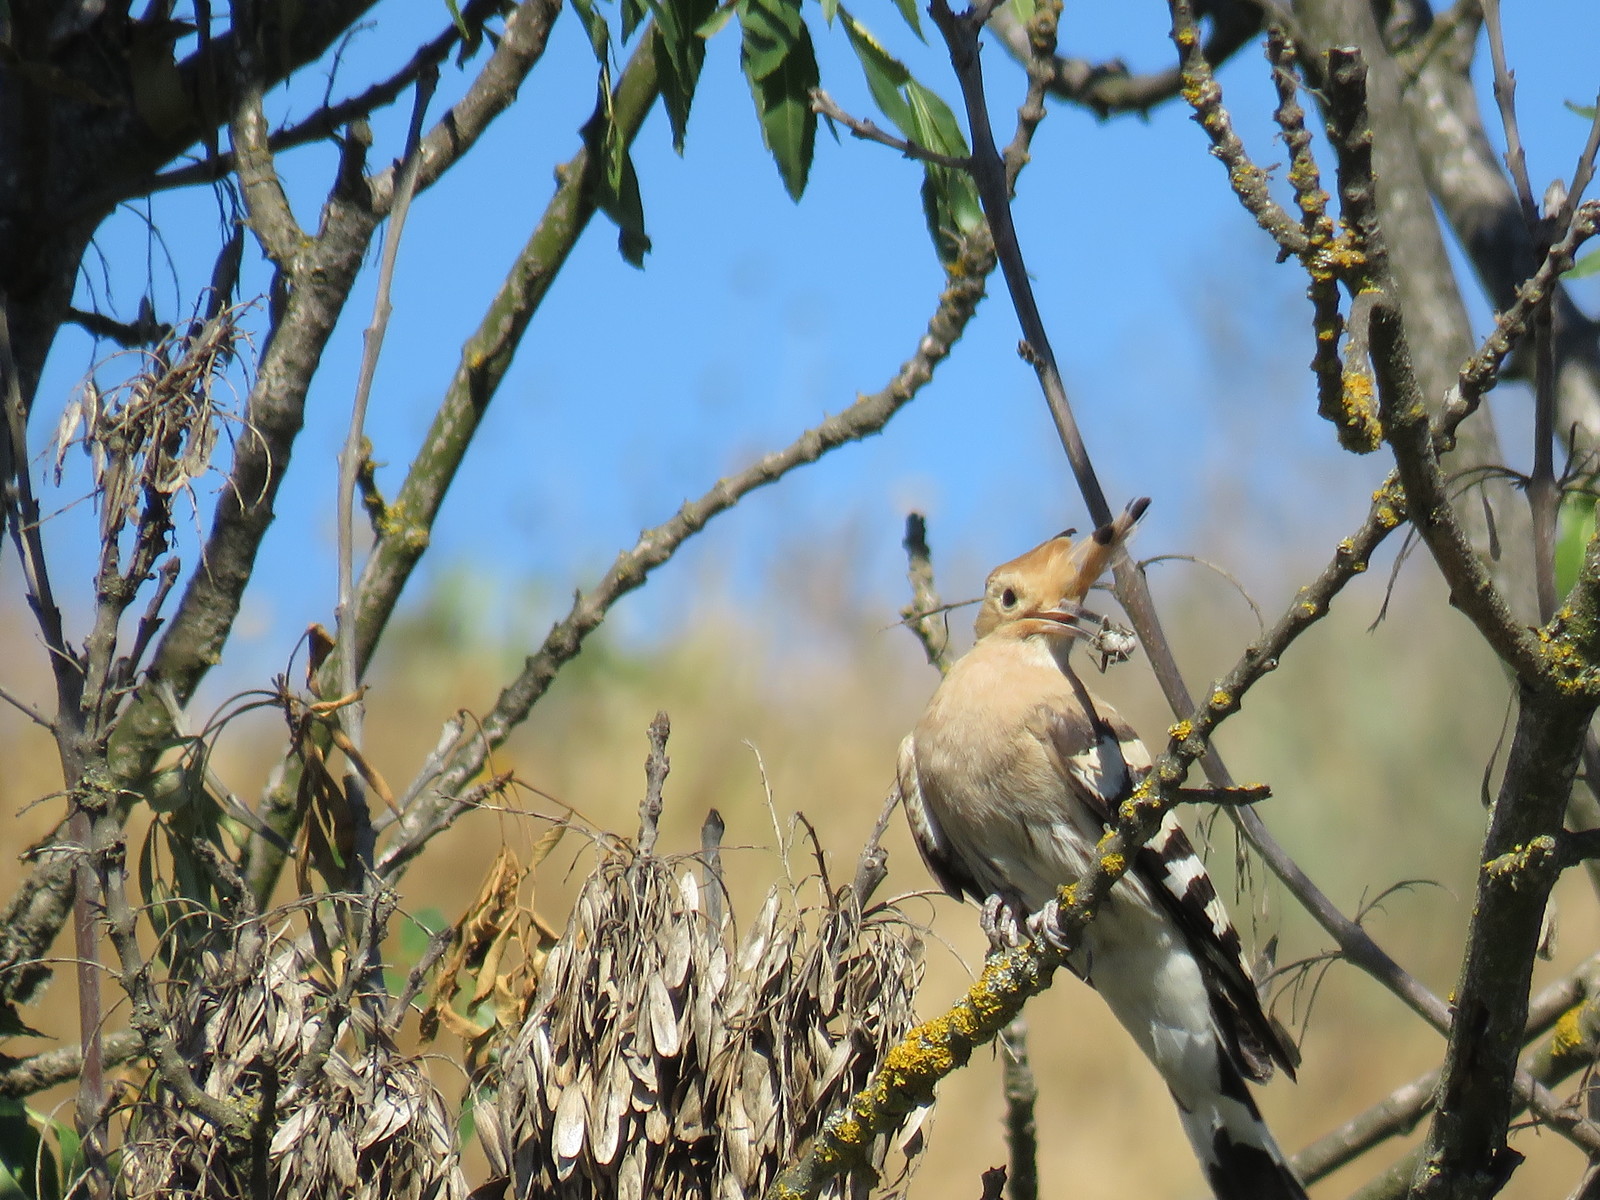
{"x":1010,"y":778}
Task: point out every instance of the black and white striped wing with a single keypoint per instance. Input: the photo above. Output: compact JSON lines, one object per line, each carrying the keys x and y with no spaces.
{"x":1106,"y":760}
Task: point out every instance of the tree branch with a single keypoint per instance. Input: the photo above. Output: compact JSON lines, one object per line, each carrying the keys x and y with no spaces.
{"x":1109,"y":88}
{"x":1398,"y":1113}
{"x":328,"y":120}
{"x":41,"y":1072}
{"x":404,"y":530}
{"x":313,"y":285}
{"x":438,"y":802}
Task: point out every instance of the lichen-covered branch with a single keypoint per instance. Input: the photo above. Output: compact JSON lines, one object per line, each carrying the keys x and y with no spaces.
{"x":1481,"y":372}
{"x":1466,"y":1155}
{"x":1249,"y":182}
{"x":1571,"y":1047}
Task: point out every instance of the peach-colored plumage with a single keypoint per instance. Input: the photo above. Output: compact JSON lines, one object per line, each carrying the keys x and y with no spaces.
{"x":1010,"y":778}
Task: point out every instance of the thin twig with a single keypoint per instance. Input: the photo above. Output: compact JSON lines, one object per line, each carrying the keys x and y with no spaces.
{"x":1543,"y":492}
{"x":147,"y":1014}
{"x":1107,"y":88}
{"x":26,"y":709}
{"x":925,"y":603}
{"x":1022,"y":1095}
{"x":1505,"y":89}
{"x":656,"y":766}
{"x":328,"y":120}
{"x":1480,"y":373}
{"x":994,"y":190}
{"x":825,"y":105}
{"x":1040,"y":60}
{"x":350,"y":460}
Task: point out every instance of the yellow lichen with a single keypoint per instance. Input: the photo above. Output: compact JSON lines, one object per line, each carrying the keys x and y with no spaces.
{"x":1180,"y":731}
{"x":1221,"y":699}
{"x":918,"y":1061}
{"x":1567,"y":1036}
{"x":850,"y":1132}
{"x":1113,"y":864}
{"x":1519,"y":859}
{"x":1359,"y":429}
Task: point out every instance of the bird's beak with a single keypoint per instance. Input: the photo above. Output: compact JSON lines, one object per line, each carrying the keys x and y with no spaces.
{"x":1086,"y":560}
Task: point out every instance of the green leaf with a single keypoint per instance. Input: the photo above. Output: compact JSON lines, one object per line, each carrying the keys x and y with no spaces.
{"x":616,"y":185}
{"x":1574,"y":525}
{"x":885,"y":74}
{"x":936,"y":126}
{"x":772,"y":31}
{"x":599,"y":31}
{"x":680,"y":50}
{"x":1586,"y":111}
{"x":457,"y":20}
{"x":950,"y":204}
{"x":633,"y":13}
{"x":27,"y":1168}
{"x":1023,"y":10}
{"x":910,"y":15}
{"x":781,"y":65}
{"x":1588,"y":265}
{"x":717,"y":21}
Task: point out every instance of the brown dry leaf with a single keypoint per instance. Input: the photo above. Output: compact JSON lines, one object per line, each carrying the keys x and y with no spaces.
{"x":462,"y":1027}
{"x":365,"y":769}
{"x":489,"y":918}
{"x":489,"y":971}
{"x":327,"y":834}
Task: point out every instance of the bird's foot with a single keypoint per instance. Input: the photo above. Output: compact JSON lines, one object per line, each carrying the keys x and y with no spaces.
{"x":1044,"y":926}
{"x":1000,"y":925}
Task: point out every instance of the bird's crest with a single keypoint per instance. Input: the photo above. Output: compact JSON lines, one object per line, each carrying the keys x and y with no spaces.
{"x":1051,"y":580}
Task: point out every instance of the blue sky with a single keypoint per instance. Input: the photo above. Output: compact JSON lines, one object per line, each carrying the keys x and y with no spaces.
{"x":1182,"y":343}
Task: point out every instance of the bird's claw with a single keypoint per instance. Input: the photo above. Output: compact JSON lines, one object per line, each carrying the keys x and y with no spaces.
{"x":1000,"y":925}
{"x":1044,"y":926}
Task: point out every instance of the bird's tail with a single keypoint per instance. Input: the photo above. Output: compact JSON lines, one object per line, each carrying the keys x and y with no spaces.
{"x":1233,"y":1143}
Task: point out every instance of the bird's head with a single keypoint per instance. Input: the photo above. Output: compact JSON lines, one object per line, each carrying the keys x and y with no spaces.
{"x":1042,"y":591}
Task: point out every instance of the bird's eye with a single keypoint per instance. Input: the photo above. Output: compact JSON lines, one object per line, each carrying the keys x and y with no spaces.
{"x":1008,"y":598}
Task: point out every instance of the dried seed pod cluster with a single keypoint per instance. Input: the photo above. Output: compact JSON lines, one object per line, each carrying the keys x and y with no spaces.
{"x":367,"y":1124}
{"x":666,"y":1056}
